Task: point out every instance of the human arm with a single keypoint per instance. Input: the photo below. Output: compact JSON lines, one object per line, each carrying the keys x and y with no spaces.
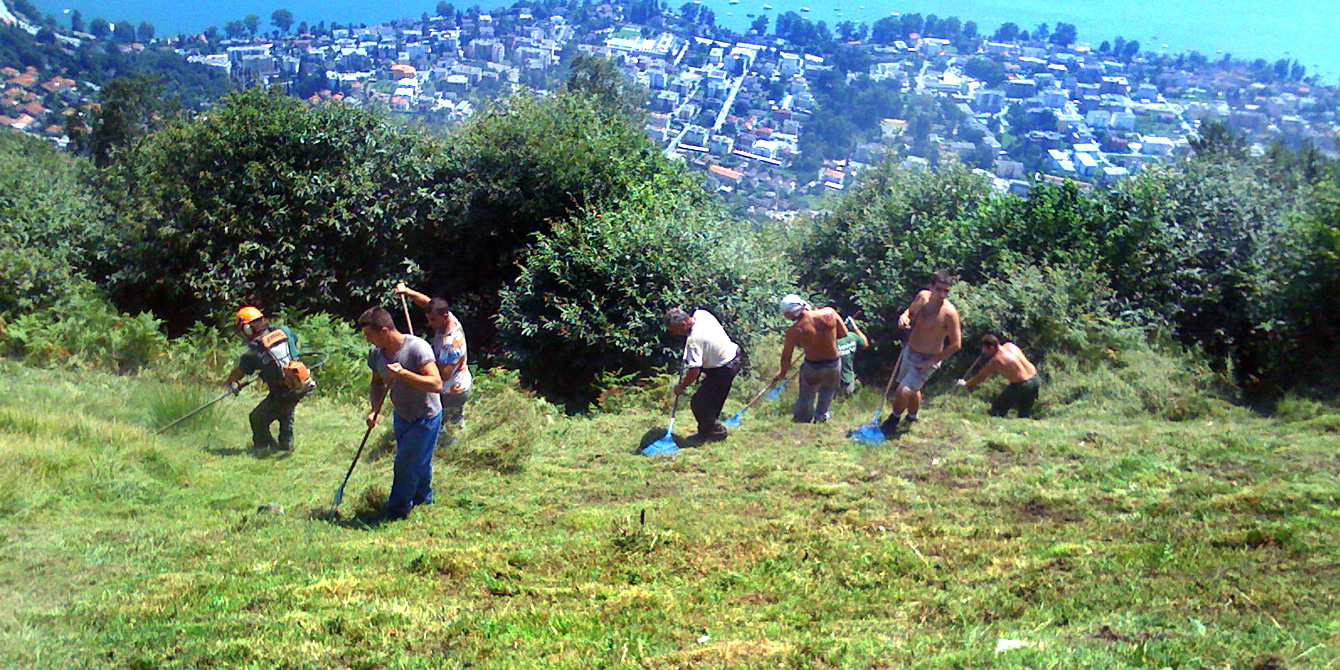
{"x":427,"y":378}
{"x":855,"y":329}
{"x":234,"y":376}
{"x":690,"y":376}
{"x":419,"y":299}
{"x":841,"y":325}
{"x":905,"y":319}
{"x":376,"y":396}
{"x":788,"y":346}
{"x":992,"y":367}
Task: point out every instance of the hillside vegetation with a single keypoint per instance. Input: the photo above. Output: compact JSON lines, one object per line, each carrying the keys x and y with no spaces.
{"x":1096,"y":539}
{"x":1174,"y":505}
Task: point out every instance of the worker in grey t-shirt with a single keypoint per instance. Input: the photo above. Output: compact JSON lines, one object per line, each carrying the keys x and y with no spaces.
{"x":404,"y":365}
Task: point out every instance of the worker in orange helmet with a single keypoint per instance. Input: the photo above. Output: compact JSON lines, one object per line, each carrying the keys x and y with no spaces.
{"x":272,"y":351}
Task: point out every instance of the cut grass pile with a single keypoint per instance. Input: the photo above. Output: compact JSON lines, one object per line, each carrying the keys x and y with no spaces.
{"x":1078,"y":541}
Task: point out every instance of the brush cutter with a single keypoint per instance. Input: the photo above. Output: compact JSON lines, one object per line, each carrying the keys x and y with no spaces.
{"x":773,"y":391}
{"x":871,"y":433}
{"x":232,"y":390}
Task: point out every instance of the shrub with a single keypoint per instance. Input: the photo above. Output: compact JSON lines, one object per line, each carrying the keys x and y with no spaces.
{"x":592,"y":294}
{"x":83,"y":330}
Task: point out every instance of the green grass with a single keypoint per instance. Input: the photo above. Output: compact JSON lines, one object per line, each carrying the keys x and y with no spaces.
{"x":1101,"y":540}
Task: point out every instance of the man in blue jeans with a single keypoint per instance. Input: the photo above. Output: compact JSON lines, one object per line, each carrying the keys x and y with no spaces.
{"x":816,"y":332}
{"x":403,"y":367}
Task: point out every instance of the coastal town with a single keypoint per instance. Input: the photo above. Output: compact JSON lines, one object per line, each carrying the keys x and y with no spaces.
{"x":762,"y":115}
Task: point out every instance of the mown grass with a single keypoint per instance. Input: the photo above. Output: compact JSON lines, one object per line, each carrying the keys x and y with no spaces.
{"x":1096,"y":539}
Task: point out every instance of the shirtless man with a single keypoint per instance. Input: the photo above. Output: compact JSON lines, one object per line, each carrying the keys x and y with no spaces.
{"x":1010,"y":362}
{"x":817,"y":332}
{"x":935,"y":337}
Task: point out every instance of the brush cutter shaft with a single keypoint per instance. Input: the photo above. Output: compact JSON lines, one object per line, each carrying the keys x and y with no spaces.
{"x":240,"y":385}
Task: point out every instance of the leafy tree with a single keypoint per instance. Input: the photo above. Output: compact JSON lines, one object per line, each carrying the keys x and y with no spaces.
{"x":1216,"y":140}
{"x":282,"y":19}
{"x":145,"y":31}
{"x":99,"y":27}
{"x":1007,"y":32}
{"x":130,"y":108}
{"x":1042,"y":32}
{"x":234,"y":29}
{"x":518,"y":171}
{"x":77,"y":21}
{"x":970,"y":29}
{"x":49,"y":224}
{"x":988,"y":70}
{"x":592,"y":292}
{"x":445,"y":10}
{"x":600,"y":79}
{"x":267,"y":200}
{"x":124,"y":32}
{"x":760,"y":25}
{"x":1065,"y":35}
{"x":252,"y":23}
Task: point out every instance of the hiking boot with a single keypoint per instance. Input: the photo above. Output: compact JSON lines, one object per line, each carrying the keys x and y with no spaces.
{"x":890,"y":426}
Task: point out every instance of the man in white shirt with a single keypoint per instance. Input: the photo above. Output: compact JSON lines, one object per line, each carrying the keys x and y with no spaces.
{"x":710,"y":354}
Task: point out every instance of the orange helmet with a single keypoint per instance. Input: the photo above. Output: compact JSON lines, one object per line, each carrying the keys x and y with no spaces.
{"x":247,"y":315}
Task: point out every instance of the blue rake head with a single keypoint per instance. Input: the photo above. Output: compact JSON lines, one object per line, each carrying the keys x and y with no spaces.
{"x":867,"y":434}
{"x":734,"y":421}
{"x":663,"y":447}
{"x":775,"y":393}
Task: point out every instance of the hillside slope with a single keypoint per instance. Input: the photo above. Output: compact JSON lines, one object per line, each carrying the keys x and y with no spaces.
{"x":1095,"y":541}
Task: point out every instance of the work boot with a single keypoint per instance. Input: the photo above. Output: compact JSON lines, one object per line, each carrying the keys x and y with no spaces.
{"x":890,"y":426}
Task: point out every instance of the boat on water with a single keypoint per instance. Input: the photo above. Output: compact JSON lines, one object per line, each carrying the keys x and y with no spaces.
{"x":804,"y":9}
{"x":767,"y":8}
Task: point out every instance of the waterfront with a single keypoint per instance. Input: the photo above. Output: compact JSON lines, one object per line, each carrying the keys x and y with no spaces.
{"x":1287,"y":29}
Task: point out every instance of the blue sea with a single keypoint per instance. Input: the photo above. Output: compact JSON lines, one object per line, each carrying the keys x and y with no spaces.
{"x":1297,"y":29}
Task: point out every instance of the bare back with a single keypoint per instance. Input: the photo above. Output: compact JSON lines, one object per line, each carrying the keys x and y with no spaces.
{"x":816,"y":332}
{"x":1011,"y":363}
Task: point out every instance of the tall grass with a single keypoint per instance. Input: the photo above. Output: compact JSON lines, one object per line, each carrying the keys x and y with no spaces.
{"x":1098,"y":536}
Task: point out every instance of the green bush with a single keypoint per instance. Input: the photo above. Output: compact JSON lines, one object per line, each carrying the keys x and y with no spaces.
{"x":268,"y":201}
{"x":49,"y":223}
{"x":1047,"y":310}
{"x":83,"y":330}
{"x":592,"y":295}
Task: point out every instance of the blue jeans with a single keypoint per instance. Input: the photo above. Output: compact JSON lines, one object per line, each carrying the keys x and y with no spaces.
{"x":412,"y":478}
{"x":821,"y":379}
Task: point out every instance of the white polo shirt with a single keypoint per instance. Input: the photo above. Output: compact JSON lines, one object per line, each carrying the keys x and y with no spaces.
{"x":708,"y":345}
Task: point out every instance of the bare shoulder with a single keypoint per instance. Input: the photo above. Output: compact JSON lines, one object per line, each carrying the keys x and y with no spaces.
{"x":951,"y":309}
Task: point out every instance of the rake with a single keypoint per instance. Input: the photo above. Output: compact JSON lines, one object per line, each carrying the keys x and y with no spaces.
{"x":870,"y":433}
{"x":772,"y":391}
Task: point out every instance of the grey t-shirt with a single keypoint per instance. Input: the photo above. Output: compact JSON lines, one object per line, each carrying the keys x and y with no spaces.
{"x":410,"y":403}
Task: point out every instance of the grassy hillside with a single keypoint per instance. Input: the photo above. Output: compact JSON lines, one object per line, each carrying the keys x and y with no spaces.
{"x":1096,"y":540}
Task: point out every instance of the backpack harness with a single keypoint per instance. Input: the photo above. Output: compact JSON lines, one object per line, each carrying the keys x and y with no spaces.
{"x":274,"y":348}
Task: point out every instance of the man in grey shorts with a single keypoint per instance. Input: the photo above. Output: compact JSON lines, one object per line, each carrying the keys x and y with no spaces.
{"x":816,"y":332}
{"x":935,"y":337}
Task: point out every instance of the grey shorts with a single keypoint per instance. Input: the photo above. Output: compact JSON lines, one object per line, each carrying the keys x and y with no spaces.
{"x":909,"y":375}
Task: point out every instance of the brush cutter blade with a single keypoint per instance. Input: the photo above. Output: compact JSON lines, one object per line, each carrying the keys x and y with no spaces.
{"x":663,"y":447}
{"x":734,"y":421}
{"x":775,"y":393}
{"x":870,"y":433}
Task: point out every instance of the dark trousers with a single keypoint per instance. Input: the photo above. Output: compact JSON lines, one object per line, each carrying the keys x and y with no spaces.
{"x":710,"y":397}
{"x":1018,"y":395}
{"x":275,"y":407}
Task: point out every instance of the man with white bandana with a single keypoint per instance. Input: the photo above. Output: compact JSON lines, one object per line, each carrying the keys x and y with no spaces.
{"x":816,"y":331}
